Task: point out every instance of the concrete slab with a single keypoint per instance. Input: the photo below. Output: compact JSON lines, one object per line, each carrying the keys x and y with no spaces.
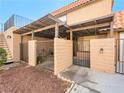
{"x":98,"y":81}
{"x":8,"y":66}
{"x":81,"y":89}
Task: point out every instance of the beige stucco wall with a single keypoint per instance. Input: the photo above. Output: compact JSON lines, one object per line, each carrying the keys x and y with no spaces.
{"x":9,"y":40}
{"x":103,"y":61}
{"x":16,"y":47}
{"x":13,"y":43}
{"x":90,"y":11}
{"x":63,"y":53}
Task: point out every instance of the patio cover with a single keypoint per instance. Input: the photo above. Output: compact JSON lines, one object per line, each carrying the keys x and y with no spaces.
{"x":100,"y":23}
{"x":45,"y":26}
{"x":44,"y":23}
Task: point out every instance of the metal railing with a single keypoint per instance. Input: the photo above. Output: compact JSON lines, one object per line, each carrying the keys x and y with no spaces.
{"x":82,"y":53}
{"x":45,"y":50}
{"x":17,"y":21}
{"x":1,"y":27}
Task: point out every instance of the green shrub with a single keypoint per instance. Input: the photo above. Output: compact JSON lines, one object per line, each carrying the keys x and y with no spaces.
{"x":3,"y":56}
{"x":39,"y":59}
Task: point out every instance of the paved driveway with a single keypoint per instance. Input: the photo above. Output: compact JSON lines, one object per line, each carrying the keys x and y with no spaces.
{"x":88,"y":81}
{"x":25,"y":79}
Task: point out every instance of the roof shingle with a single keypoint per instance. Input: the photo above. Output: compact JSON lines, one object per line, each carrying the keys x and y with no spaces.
{"x":70,"y":6}
{"x":119,"y":20}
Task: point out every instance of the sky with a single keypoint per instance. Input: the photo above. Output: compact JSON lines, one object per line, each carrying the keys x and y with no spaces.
{"x":34,"y":9}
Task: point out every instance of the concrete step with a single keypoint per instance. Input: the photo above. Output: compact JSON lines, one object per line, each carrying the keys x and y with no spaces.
{"x":9,"y":61}
{"x":3,"y":46}
{"x":2,"y":42}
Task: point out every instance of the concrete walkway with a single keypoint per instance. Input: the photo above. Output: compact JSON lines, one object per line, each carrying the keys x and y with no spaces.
{"x":88,"y":81}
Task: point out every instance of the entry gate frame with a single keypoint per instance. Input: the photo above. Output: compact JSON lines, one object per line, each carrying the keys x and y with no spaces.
{"x":118,"y":64}
{"x":85,"y":55}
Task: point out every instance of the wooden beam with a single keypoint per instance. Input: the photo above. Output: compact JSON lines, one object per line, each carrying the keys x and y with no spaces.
{"x":39,"y":30}
{"x":90,"y":27}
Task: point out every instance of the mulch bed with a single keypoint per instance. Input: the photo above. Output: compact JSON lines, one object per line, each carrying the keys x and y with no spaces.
{"x":25,"y":79}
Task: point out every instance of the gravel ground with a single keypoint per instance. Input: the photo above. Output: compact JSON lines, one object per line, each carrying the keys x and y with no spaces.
{"x":25,"y":79}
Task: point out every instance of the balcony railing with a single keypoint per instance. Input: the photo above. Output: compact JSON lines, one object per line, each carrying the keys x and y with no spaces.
{"x":17,"y":21}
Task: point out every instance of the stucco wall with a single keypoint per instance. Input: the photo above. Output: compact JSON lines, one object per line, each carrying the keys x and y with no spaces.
{"x":90,"y":11}
{"x":62,"y":54}
{"x":103,"y":60}
{"x":13,"y":43}
{"x":16,"y":47}
{"x":9,"y":40}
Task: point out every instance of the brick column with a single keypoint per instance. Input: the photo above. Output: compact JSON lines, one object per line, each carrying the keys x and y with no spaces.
{"x":32,"y":55}
{"x":102,"y":55}
{"x":63,"y":54}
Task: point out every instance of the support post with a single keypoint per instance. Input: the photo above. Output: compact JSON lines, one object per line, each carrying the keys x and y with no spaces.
{"x":56,"y":30}
{"x":71,"y":35}
{"x":111,"y":30}
{"x":32,"y":35}
{"x":21,"y":48}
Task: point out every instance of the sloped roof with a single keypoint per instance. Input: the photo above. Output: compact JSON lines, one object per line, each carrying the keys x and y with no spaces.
{"x":119,"y":20}
{"x":72,"y":5}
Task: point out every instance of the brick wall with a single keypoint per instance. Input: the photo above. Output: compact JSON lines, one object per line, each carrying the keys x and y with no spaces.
{"x":103,"y":60}
{"x":62,"y":54}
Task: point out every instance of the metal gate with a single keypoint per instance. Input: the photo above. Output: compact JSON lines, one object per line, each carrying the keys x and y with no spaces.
{"x":120,"y":56}
{"x":45,"y":50}
{"x":24,"y":51}
{"x":81,"y":55}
